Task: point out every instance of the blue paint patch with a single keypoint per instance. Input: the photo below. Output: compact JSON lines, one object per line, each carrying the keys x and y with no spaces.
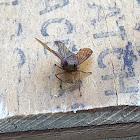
{"x":121,"y":28}
{"x":138,"y":1}
{"x":15,"y":2}
{"x":4,"y":3}
{"x":107,"y":77}
{"x":138,"y":50}
{"x":128,"y":58}
{"x":98,"y":18}
{"x":22,"y":57}
{"x":104,"y":35}
{"x":69,"y":26}
{"x":109,"y":92}
{"x":114,"y":11}
{"x":94,"y":21}
{"x":19,"y":29}
{"x":47,"y":23}
{"x":132,"y":90}
{"x":74,"y":49}
{"x":56,"y":20}
{"x":137,"y":27}
{"x":49,"y":8}
{"x":119,"y":51}
{"x":123,"y":89}
{"x":130,"y":72}
{"x":108,"y":34}
{"x":101,"y":57}
{"x":122,"y":32}
{"x":77,"y":105}
{"x":45,"y":51}
{"x":58,"y":107}
{"x":93,"y":6}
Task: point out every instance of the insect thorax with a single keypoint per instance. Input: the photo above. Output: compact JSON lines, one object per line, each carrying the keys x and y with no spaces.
{"x":69,"y":64}
{"x":69,"y":67}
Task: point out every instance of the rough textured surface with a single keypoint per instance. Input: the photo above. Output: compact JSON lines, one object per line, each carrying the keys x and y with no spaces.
{"x":28,"y":85}
{"x":98,"y":117}
{"x":130,"y":131}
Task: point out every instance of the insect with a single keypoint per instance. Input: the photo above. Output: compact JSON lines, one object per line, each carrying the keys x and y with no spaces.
{"x":69,"y":60}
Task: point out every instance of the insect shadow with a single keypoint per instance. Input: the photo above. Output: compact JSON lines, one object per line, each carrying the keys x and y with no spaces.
{"x":69,"y":60}
{"x":70,"y":89}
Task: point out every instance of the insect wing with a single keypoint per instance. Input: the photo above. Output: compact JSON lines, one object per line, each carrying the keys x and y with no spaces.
{"x":83,"y":55}
{"x":63,"y":50}
{"x":52,"y":51}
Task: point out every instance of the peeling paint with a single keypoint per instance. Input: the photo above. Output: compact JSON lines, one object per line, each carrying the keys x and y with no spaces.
{"x":138,"y":103}
{"x":22,"y":57}
{"x":63,"y":109}
{"x":3,"y":111}
{"x":15,"y":2}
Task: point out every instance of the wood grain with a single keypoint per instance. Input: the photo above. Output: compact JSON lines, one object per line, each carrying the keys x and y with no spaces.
{"x":105,"y":132}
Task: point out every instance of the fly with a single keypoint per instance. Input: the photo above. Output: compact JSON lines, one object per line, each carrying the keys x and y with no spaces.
{"x":69,"y":60}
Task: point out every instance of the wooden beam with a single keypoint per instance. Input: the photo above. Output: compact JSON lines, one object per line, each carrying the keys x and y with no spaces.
{"x":32,"y":98}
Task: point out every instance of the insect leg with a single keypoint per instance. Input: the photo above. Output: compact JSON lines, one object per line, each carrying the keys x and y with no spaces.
{"x":58,"y":66}
{"x":59,"y":74}
{"x":84,"y":71}
{"x":79,"y":85}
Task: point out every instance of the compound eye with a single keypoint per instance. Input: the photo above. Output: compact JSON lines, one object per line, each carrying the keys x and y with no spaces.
{"x":65,"y":63}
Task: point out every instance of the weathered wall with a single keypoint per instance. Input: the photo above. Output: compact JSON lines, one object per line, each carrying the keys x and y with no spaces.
{"x":27,"y":79}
